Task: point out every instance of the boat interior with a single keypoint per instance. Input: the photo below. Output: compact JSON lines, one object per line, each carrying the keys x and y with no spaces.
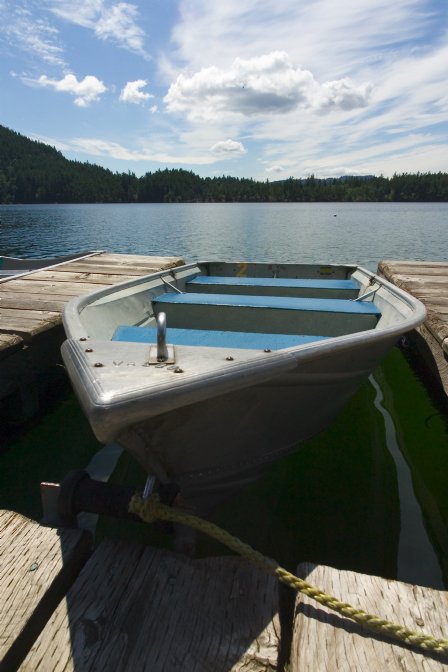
{"x":237,"y":305}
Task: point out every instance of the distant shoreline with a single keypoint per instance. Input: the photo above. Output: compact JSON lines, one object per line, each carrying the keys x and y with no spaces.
{"x":32,"y":172}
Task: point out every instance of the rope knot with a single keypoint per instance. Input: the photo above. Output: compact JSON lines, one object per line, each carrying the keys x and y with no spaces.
{"x":147,"y":509}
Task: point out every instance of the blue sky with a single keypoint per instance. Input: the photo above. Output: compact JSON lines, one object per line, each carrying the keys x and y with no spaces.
{"x":252,"y":88}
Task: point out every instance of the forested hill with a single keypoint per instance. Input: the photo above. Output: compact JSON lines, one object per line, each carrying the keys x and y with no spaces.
{"x":32,"y":172}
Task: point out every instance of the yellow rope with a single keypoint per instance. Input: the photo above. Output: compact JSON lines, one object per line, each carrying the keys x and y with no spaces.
{"x":151,"y":509}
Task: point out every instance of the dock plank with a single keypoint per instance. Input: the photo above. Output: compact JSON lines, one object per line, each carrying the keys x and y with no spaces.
{"x":324,"y":641}
{"x":156,"y":261}
{"x":10,"y":343}
{"x":143,"y":609}
{"x":427,"y":281}
{"x":107,"y":277}
{"x":32,"y":314}
{"x":41,"y":301}
{"x":111,"y":269}
{"x":52,"y":287}
{"x":27,"y":324}
{"x":37,"y":565}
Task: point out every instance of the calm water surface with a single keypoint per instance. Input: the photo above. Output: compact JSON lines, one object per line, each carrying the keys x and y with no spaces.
{"x":304,"y":232}
{"x":370,"y":493}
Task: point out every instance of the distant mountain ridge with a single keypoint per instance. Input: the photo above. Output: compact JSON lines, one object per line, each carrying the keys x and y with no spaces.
{"x":33,"y":172}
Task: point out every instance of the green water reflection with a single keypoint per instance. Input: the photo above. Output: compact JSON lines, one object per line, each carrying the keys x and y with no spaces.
{"x":336,"y":501}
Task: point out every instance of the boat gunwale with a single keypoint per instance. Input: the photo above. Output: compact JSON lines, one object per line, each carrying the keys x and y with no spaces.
{"x":83,"y":301}
{"x":74,"y":308}
{"x":100,"y":402}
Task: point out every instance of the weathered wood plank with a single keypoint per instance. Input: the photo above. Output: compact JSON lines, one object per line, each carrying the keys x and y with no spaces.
{"x":52,"y":287}
{"x":430,"y":350}
{"x":10,"y":342}
{"x":137,"y":608}
{"x":153,"y":260}
{"x":428,"y":281}
{"x":94,"y":277}
{"x":323,"y":641}
{"x":24,"y":301}
{"x":415,"y":266}
{"x":33,"y":315}
{"x":26,"y":326}
{"x":106,"y":269}
{"x":424,"y":281}
{"x":436,"y":297}
{"x":37,"y":565}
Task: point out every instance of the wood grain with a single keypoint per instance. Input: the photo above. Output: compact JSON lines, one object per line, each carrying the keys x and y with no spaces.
{"x":37,"y":565}
{"x":135,"y":608}
{"x":9,"y":342}
{"x":323,"y":641}
{"x":107,"y":278}
{"x":428,"y":282}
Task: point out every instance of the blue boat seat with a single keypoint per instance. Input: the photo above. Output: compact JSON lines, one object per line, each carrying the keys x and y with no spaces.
{"x":273,"y":302}
{"x":301,"y":287}
{"x":213,"y":339}
{"x":266,"y":314}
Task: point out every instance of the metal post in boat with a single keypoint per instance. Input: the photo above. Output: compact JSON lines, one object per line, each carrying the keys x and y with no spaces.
{"x":162,"y":350}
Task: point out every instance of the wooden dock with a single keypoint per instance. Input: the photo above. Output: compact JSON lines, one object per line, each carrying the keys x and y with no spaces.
{"x":31,"y":329}
{"x":427,"y":281}
{"x":135,"y":608}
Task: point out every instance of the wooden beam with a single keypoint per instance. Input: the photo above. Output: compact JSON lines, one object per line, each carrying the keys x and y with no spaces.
{"x":41,"y":301}
{"x":324,"y":641}
{"x":427,"y":281}
{"x":37,"y":565}
{"x":10,"y":343}
{"x":106,"y":278}
{"x":141,"y":608}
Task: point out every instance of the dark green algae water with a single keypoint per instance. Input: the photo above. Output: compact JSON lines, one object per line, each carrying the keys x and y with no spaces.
{"x":344,"y":499}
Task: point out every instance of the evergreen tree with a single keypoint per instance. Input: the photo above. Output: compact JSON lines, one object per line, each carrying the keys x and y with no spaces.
{"x":32,"y":172}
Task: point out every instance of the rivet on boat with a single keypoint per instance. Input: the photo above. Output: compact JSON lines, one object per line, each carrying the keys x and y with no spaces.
{"x":98,"y":364}
{"x":229,"y":359}
{"x":88,"y":350}
{"x":178,"y":370}
{"x":267,"y":350}
{"x":83,"y":338}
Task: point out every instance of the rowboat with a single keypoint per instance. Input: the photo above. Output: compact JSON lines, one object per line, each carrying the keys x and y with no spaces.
{"x":209,"y":372}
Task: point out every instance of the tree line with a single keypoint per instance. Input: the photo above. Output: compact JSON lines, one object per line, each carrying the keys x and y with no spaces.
{"x":32,"y":172}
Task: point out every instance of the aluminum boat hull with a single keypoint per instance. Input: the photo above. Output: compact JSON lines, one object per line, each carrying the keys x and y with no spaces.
{"x":215,"y":418}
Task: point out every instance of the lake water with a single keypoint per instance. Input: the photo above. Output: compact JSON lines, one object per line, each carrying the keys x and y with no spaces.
{"x":370,"y":493}
{"x":303,"y":232}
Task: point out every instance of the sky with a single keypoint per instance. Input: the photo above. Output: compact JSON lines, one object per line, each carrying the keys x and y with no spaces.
{"x":267,"y":89}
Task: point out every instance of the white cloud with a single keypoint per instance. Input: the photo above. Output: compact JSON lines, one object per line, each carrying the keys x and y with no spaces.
{"x":332,"y":38}
{"x":35,"y":36}
{"x":98,"y":147}
{"x":116,"y":21}
{"x":264,"y":85}
{"x":228,"y":148}
{"x":86,"y":91}
{"x":341,"y":95}
{"x":131,"y":93}
{"x":275,"y":169}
